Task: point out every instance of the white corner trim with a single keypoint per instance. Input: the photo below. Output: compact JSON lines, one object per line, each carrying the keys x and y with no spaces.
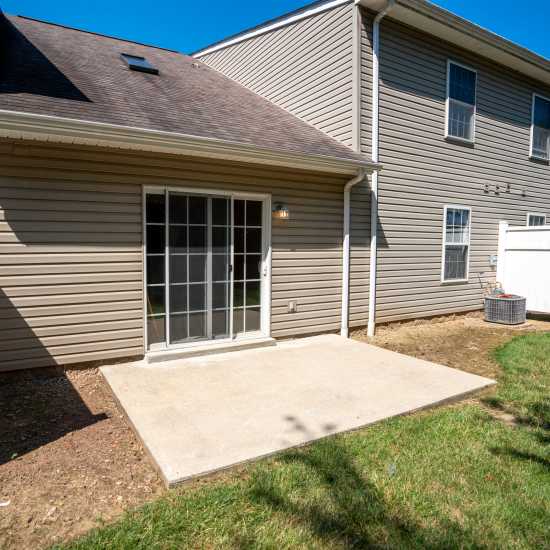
{"x":272,"y":26}
{"x":17,"y":125}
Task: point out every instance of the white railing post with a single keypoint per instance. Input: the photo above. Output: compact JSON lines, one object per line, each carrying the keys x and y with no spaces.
{"x":501,"y":258}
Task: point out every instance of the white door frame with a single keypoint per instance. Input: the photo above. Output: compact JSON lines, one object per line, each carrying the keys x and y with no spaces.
{"x":265,"y":267}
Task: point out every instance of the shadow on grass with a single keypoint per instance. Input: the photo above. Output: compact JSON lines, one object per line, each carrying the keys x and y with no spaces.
{"x":522,"y":455}
{"x":337,"y":504}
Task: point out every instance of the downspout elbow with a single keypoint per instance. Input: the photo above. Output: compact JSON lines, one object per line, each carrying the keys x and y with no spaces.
{"x":344,"y":328}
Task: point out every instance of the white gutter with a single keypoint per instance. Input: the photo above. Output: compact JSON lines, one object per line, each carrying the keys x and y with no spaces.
{"x":375,"y":157}
{"x":344,"y":330}
{"x":18,"y":125}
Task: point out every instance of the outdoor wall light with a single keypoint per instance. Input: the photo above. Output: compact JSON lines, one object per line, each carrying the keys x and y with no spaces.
{"x":281,"y":212}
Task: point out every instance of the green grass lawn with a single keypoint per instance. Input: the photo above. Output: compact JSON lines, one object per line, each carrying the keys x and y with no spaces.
{"x":465,"y":476}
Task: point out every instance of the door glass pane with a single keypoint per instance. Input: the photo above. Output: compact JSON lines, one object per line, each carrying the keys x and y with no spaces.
{"x":254,"y":240}
{"x":238,"y":214}
{"x":220,"y":239}
{"x":253,"y":319}
{"x":178,"y":328}
{"x":178,"y":298}
{"x":220,"y":295}
{"x":220,"y":267}
{"x":155,"y":300}
{"x":220,"y":211}
{"x":197,"y":268}
{"x":197,"y":297}
{"x":178,"y":239}
{"x":155,"y":270}
{"x":197,"y":325}
{"x":253,"y":213}
{"x":156,"y":330}
{"x":197,"y":239}
{"x":238,"y":321}
{"x":178,"y":268}
{"x":155,"y":210}
{"x":155,"y":239}
{"x":238,"y":260}
{"x":178,"y":208}
{"x":238,"y":295}
{"x":220,"y":323}
{"x":238,"y":238}
{"x":197,"y":210}
{"x":253,"y":266}
{"x":252,"y":294}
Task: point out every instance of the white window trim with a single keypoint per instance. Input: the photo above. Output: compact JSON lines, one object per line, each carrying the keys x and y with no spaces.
{"x":532,"y":132}
{"x":447,"y":101}
{"x":444,"y":245}
{"x":539,"y":214}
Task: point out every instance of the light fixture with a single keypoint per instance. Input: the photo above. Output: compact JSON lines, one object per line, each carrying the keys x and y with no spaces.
{"x":281,"y":212}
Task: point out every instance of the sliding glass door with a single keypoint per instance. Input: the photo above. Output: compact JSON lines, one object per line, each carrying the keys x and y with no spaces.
{"x":204,"y":266}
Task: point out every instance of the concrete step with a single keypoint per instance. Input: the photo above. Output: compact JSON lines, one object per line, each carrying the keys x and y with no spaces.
{"x":208,"y":348}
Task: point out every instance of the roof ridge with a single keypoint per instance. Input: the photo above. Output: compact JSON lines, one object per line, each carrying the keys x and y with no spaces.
{"x":98,"y":34}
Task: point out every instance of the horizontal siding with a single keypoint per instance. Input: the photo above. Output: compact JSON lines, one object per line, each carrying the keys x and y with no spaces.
{"x":422,"y":172}
{"x":59,"y":304}
{"x":70,"y":248}
{"x":304,"y":67}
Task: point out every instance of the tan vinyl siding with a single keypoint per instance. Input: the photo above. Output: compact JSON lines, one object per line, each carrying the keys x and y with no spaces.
{"x":304,"y":67}
{"x":423,"y":172}
{"x":71,"y":248}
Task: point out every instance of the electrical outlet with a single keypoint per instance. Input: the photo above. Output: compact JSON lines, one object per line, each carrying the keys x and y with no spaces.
{"x":292,"y":306}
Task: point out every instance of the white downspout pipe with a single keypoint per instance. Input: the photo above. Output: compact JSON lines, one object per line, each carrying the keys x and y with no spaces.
{"x":344,"y":330}
{"x":376,"y":158}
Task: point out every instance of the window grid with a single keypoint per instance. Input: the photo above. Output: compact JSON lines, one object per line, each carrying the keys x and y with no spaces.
{"x":456,"y":244}
{"x":461,"y":102}
{"x":540,"y":128}
{"x":536,"y":220}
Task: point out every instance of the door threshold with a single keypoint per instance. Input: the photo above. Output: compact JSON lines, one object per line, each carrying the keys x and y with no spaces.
{"x":208,"y":348}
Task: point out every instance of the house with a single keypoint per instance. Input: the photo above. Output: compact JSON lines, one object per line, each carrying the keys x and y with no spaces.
{"x":345,"y":164}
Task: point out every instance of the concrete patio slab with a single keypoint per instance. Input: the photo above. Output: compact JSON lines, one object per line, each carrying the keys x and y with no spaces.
{"x":203,"y":414}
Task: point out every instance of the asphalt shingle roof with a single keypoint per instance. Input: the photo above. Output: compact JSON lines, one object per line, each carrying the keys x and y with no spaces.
{"x":53,"y":70}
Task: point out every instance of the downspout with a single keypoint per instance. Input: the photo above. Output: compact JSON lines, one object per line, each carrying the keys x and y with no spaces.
{"x":375,"y":157}
{"x":356,"y":144}
{"x":344,"y":330}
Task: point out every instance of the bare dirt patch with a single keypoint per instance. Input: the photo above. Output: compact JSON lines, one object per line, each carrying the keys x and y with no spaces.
{"x":68,"y":459}
{"x":464,"y":342}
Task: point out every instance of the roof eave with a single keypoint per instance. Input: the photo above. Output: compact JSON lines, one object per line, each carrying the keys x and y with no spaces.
{"x":20,"y":125}
{"x":443,"y":24}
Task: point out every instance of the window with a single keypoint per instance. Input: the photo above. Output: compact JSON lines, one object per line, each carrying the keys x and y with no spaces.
{"x":140,"y":64}
{"x":456,"y":244}
{"x":461,"y":102}
{"x":535,"y":220}
{"x":540,"y":128}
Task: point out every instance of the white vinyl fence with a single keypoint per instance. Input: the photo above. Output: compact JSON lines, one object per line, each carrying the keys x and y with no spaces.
{"x":524,"y":264}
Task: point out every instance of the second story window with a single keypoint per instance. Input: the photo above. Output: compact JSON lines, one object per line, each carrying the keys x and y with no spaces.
{"x":461,"y":102}
{"x":536,"y":220}
{"x":540,"y":129}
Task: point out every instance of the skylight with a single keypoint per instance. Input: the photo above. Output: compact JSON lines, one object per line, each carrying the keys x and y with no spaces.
{"x":137,"y":63}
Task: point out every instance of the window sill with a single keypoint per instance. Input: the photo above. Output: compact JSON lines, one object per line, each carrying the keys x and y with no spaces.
{"x":539,"y":160}
{"x":460,"y":141}
{"x":455,"y":282}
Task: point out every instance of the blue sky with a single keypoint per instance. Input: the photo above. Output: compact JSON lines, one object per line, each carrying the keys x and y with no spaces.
{"x":186,"y":25}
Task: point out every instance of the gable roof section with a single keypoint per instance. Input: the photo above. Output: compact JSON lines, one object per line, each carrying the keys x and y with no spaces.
{"x":62,"y":74}
{"x":427,"y":17}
